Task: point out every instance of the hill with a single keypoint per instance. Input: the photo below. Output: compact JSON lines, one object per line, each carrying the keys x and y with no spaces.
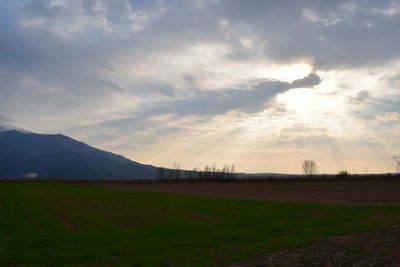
{"x":23,"y":154}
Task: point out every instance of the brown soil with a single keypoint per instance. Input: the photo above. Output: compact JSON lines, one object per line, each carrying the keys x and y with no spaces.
{"x":380,"y":247}
{"x":370,"y":192}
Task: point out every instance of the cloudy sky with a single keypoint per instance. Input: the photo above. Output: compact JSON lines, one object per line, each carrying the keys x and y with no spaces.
{"x":256,"y":83}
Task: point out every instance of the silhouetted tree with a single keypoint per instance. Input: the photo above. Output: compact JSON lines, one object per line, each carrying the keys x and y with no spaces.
{"x":177,"y":172}
{"x":209,"y":173}
{"x":342,"y":174}
{"x":309,"y":168}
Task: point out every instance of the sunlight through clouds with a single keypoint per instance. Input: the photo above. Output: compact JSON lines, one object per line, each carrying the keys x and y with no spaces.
{"x":261,"y":85}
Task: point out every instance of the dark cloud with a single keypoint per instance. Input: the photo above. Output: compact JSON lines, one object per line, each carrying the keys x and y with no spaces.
{"x":360,"y":97}
{"x":394,"y":81}
{"x":112,"y":86}
{"x":251,"y":99}
{"x":384,"y":105}
{"x":331,"y":34}
{"x":377,"y":107}
{"x":76,"y":57}
{"x":189,"y":79}
{"x":152,"y":88}
{"x":307,"y":82}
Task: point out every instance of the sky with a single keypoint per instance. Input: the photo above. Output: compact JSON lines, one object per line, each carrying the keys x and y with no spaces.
{"x":260,"y":84}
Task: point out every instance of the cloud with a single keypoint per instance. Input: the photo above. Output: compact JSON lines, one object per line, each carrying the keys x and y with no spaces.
{"x":250,"y":99}
{"x":360,"y":97}
{"x":394,"y":80}
{"x":379,"y":107}
{"x":93,"y":65}
{"x":151,"y":88}
{"x":332,"y":35}
{"x":307,"y":82}
{"x":4,"y":119}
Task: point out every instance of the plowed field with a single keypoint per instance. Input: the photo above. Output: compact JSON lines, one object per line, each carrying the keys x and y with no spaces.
{"x":385,"y":192}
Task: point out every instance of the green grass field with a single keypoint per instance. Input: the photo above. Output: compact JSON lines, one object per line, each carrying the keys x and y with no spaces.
{"x":55,"y":224}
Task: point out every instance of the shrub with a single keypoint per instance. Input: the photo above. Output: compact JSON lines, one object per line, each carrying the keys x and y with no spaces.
{"x":343,"y":174}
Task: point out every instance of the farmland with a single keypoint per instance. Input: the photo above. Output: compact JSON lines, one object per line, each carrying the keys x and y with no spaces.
{"x":360,"y":191}
{"x":58,"y":224}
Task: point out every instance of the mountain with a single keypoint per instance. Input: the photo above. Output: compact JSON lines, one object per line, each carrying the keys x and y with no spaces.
{"x":23,"y":153}
{"x":4,"y":128}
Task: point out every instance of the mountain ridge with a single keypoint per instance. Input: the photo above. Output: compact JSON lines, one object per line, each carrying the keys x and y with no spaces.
{"x":58,"y":155}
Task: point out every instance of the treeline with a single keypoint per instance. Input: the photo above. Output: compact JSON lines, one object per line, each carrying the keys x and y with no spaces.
{"x":342,"y":175}
{"x":195,"y":176}
{"x":210,"y":173}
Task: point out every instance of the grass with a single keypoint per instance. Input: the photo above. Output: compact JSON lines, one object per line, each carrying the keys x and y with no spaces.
{"x":55,"y":224}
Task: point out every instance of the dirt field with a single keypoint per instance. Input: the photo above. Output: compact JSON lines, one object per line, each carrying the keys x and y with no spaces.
{"x":379,"y":247}
{"x":369,"y":192}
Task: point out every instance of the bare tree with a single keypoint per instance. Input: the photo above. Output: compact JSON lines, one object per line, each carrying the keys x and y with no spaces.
{"x":309,"y":168}
{"x":343,"y":174}
{"x":177,"y":172}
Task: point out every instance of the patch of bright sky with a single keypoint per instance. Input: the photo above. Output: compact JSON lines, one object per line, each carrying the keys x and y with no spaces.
{"x":209,"y":63}
{"x":300,"y":123}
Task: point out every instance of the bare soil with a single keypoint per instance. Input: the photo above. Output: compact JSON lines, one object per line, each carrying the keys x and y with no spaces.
{"x":363,"y":192}
{"x":380,"y":247}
